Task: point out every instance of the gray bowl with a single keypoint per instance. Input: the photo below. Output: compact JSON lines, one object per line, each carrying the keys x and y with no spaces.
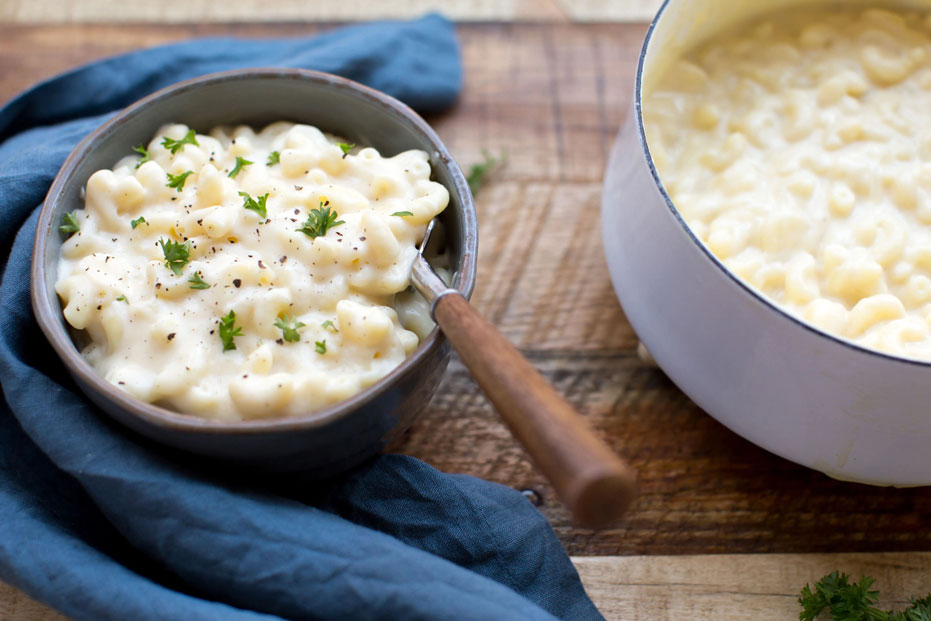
{"x":324,"y":441}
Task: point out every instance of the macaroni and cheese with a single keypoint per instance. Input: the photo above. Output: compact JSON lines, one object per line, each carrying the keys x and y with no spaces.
{"x":236,"y":275}
{"x":798,"y":149}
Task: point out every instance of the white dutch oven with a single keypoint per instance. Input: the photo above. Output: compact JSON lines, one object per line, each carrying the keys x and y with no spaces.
{"x":808,"y":396}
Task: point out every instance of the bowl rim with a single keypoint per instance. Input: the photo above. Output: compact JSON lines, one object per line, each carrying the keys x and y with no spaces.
{"x":747,"y":289}
{"x":52,"y":326}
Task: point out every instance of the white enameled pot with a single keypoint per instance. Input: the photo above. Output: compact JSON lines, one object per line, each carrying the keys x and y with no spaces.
{"x":810,"y":397}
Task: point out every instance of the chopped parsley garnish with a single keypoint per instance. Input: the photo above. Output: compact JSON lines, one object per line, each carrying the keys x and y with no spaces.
{"x":289,"y":327}
{"x":834,"y":594}
{"x":320,"y":346}
{"x":345,"y":147}
{"x":177,"y":181}
{"x":176,"y":255}
{"x":122,"y":298}
{"x":228,"y":331}
{"x":273,"y":158}
{"x":138,"y":221}
{"x":328,"y":325}
{"x":197,"y":282}
{"x":241,"y":163}
{"x":479,"y":172}
{"x":258,"y":206}
{"x":176,"y":145}
{"x":319,"y":221}
{"x":146,"y":156}
{"x":403,"y":213}
{"x":69,"y":224}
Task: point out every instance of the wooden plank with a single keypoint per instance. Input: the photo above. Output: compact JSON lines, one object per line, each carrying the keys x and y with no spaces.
{"x":207,"y":11}
{"x":735,"y":587}
{"x":702,"y":488}
{"x":698,"y":588}
{"x":17,"y":606}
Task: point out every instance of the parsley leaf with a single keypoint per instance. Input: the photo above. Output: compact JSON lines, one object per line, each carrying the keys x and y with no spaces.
{"x":479,"y":172}
{"x":345,"y":147}
{"x":403,"y":213}
{"x":836,"y":595}
{"x":289,"y":327}
{"x":328,"y":325}
{"x":197,"y":282}
{"x":146,"y":156}
{"x":138,"y":221}
{"x":176,"y":145}
{"x":69,"y":224}
{"x":122,"y":298}
{"x":228,"y":331}
{"x":320,"y":346}
{"x":319,"y":221}
{"x":920,"y":610}
{"x":258,"y":206}
{"x":176,"y":255}
{"x":241,"y":163}
{"x":273,"y":158}
{"x":177,"y":181}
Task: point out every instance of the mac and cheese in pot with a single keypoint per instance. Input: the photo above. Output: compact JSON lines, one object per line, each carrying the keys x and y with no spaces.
{"x":798,"y":149}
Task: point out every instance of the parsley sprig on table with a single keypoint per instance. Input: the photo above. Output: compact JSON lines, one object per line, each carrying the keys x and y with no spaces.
{"x":289,"y":327}
{"x":146,"y":156}
{"x":69,"y":224}
{"x":228,"y":330}
{"x":844,"y":600}
{"x":176,"y":255}
{"x":177,"y":181}
{"x":256,"y":205}
{"x":176,"y":145}
{"x":241,"y":163}
{"x":478,"y":173}
{"x":319,"y":221}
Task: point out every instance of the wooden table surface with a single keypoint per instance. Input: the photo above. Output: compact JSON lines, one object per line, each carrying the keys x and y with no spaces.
{"x":722,"y":529}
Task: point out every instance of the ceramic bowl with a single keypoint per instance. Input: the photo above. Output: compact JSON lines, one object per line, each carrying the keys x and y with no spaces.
{"x":801,"y":393}
{"x":324,"y":441}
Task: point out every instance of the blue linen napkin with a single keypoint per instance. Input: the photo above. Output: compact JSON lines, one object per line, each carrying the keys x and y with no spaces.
{"x":101,"y":524}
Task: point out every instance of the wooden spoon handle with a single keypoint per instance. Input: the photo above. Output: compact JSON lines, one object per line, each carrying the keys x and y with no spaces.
{"x":587,"y":475}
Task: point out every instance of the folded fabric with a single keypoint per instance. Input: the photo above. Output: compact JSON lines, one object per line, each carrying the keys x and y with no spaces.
{"x":101,"y":524}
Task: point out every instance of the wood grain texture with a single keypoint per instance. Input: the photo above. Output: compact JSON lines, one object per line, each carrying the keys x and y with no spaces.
{"x":738,"y":587}
{"x":552,"y":96}
{"x":702,"y":488}
{"x":727,"y":587}
{"x":206,"y":11}
{"x":17,"y":606}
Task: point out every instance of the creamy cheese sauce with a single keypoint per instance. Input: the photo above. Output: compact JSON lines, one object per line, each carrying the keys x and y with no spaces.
{"x":156,"y":332}
{"x":798,"y":149}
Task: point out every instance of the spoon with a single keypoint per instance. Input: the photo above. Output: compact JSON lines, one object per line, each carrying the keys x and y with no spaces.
{"x":589,"y":478}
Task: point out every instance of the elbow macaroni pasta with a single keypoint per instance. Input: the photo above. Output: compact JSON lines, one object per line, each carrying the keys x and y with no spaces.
{"x":798,"y":151}
{"x":155,"y":336}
